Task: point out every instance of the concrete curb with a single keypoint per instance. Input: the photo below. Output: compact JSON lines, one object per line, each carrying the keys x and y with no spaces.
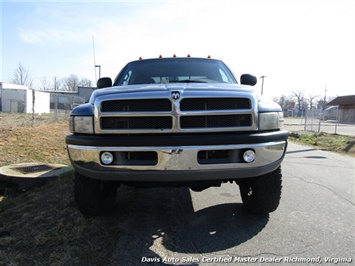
{"x":29,"y":175}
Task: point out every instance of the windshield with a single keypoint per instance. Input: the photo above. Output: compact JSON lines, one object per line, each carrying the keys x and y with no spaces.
{"x":175,"y":70}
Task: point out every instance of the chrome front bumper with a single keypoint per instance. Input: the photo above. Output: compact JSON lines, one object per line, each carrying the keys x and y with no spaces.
{"x":178,"y":163}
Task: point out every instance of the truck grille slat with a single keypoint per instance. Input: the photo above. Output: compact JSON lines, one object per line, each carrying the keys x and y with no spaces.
{"x":124,"y":123}
{"x":165,"y":114}
{"x":215,"y":121}
{"x":139,"y":105}
{"x":198,"y":104}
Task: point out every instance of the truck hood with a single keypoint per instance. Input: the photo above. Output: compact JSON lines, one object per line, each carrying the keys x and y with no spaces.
{"x":146,"y":88}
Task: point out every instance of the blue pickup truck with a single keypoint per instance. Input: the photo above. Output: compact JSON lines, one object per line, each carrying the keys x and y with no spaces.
{"x":176,"y":122}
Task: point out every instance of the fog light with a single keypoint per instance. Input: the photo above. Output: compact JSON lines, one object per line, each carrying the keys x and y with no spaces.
{"x":249,"y":156}
{"x":107,"y":158}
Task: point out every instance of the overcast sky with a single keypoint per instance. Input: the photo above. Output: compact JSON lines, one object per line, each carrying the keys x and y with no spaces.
{"x":297,"y":45}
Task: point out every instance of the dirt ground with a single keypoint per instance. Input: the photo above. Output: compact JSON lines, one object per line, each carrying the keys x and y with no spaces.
{"x":42,"y":226}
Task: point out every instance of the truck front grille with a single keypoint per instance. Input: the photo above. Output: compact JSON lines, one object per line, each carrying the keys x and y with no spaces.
{"x":139,"y":105}
{"x":126,"y":123}
{"x":215,"y":121}
{"x":163,"y":114}
{"x":197,"y":104}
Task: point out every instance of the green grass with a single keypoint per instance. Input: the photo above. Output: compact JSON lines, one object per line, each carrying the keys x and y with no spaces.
{"x":324,"y":141}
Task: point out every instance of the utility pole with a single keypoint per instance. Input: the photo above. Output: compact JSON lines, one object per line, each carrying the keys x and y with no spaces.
{"x":262,"y":84}
{"x":99,"y":66}
{"x":93,"y":48}
{"x":325,"y":97}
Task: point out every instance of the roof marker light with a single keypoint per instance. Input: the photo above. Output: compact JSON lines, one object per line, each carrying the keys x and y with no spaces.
{"x":188,"y":55}
{"x":174,"y":55}
{"x":160,"y":56}
{"x":209,"y":56}
{"x":140,"y":58}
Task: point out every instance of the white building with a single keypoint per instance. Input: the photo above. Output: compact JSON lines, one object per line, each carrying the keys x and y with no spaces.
{"x":18,"y":98}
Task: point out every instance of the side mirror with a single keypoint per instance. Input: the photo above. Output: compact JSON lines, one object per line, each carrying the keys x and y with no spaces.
{"x":247,"y":79}
{"x":104,"y":83}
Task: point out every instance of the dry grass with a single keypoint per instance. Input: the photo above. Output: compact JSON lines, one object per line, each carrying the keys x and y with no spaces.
{"x":44,"y":141}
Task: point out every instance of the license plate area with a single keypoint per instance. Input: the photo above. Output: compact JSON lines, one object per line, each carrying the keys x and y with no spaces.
{"x":219,"y":156}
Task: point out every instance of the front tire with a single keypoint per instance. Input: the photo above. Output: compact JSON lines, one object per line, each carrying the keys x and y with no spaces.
{"x":262,"y":194}
{"x":94,"y":197}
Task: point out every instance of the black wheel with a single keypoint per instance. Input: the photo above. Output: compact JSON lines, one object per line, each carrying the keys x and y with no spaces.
{"x":94,"y":197}
{"x":262,"y":194}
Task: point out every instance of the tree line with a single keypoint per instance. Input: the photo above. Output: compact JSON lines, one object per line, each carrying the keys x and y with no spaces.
{"x":300,"y":101}
{"x":71,"y":83}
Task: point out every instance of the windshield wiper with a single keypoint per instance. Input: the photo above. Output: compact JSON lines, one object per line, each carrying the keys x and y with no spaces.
{"x":188,"y":81}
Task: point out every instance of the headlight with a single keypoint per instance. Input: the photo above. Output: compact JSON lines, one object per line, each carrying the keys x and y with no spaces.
{"x":71,"y":124}
{"x":281,"y":119}
{"x":81,"y":124}
{"x":270,"y":121}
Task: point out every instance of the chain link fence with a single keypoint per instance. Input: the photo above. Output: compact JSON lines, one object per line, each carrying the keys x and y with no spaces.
{"x":322,"y":121}
{"x":24,"y":106}
{"x":312,"y":120}
{"x":29,"y":107}
{"x":64,"y":103}
{"x":328,"y":121}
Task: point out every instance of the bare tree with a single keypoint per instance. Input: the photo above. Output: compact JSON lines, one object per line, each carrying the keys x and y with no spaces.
{"x":311,"y":100}
{"x":84,"y":82}
{"x":285,"y":102}
{"x":46,"y":84}
{"x":70,"y":83}
{"x":22,"y":76}
{"x":300,"y":98}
